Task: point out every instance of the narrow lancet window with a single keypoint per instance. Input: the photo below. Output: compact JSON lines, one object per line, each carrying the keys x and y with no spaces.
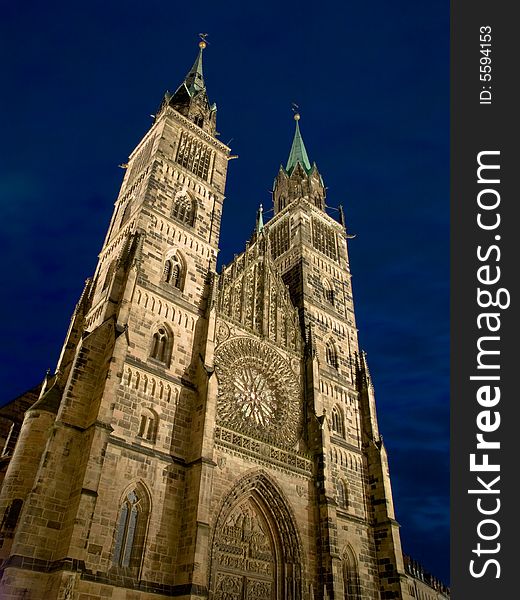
{"x":329,"y":292}
{"x":337,"y":422}
{"x":331,"y":355}
{"x":130,"y":532}
{"x":342,"y":495}
{"x":148,"y":426}
{"x":173,"y":272}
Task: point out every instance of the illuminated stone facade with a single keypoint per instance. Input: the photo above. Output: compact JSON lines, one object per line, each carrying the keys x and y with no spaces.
{"x":205,"y":435}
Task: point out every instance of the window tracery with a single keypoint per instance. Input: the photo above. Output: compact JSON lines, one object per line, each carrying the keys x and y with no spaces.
{"x":184,"y":209}
{"x":331,"y":354}
{"x":329,"y":292}
{"x":324,"y":239}
{"x":173,"y":272}
{"x":194,"y":156}
{"x":279,"y":238}
{"x":131,"y":529}
{"x":161,"y":345}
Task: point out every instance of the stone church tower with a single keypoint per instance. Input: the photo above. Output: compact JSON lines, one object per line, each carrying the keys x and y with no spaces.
{"x":205,"y":435}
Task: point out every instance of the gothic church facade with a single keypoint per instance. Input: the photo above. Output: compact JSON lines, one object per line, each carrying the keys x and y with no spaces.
{"x":205,"y":435}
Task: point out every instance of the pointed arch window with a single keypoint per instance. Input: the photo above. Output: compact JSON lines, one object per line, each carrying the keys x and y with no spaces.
{"x":329,"y":292}
{"x":324,"y":239}
{"x":126,"y":213}
{"x":337,"y":422}
{"x":351,"y":581}
{"x":148,"y":425}
{"x":342,"y":493}
{"x":161,"y":346}
{"x":10,"y":519}
{"x":184,"y":209}
{"x":331,"y":355}
{"x":194,"y":155}
{"x":174,"y":272}
{"x":131,"y":530}
{"x":279,"y":238}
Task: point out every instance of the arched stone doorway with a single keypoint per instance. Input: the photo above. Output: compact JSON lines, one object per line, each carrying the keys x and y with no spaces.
{"x":245,"y":555}
{"x":255,"y":554}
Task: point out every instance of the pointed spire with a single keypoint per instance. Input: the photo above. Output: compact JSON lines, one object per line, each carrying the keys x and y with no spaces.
{"x":260,"y":220}
{"x":194,"y":80}
{"x":190,"y":99}
{"x":298,"y":152}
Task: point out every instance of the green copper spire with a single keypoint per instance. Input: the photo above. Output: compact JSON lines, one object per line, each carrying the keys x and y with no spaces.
{"x":195,"y":79}
{"x":298,"y":153}
{"x":260,"y":220}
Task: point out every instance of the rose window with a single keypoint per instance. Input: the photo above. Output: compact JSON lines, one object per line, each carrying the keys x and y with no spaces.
{"x":259,"y":394}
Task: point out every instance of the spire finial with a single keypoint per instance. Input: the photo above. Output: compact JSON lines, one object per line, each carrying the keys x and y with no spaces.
{"x":294,"y":108}
{"x":260,"y":220}
{"x":203,"y":43}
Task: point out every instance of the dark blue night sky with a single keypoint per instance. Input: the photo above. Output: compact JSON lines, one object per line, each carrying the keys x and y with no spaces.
{"x":79,"y":81}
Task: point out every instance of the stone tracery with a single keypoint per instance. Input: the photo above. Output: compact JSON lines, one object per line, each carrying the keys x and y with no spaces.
{"x":251,"y":293}
{"x":255,"y":554}
{"x":258,"y":392}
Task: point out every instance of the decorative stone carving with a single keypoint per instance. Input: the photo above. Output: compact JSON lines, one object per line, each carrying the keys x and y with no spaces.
{"x":245,"y":557}
{"x":258,"y":590}
{"x":255,"y":539}
{"x":263,"y":453}
{"x":258,"y":392}
{"x":252,"y":293}
{"x":222,"y":332}
{"x":228,"y":587}
{"x":295,"y":365}
{"x":301,"y":491}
